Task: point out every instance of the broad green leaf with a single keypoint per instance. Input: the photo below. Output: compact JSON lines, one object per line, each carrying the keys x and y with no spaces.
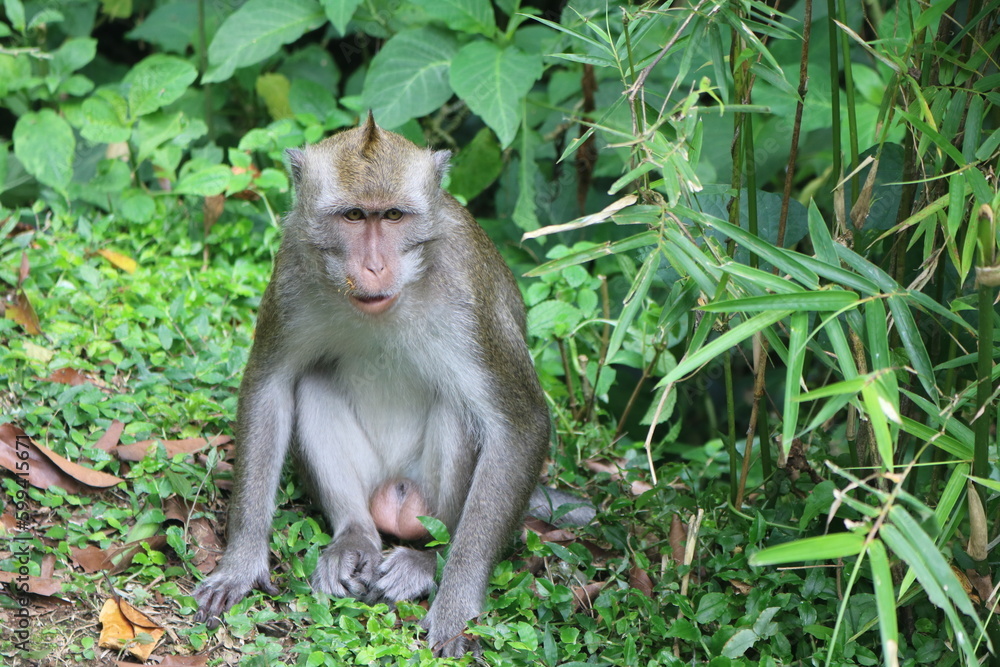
{"x":524,"y":214}
{"x":493,"y":81}
{"x":340,"y":12}
{"x":72,"y":55}
{"x":821,"y":300}
{"x":553,"y":318}
{"x":106,"y":115}
{"x":408,"y":78}
{"x":734,"y":336}
{"x":824,"y":547}
{"x":211,"y":180}
{"x":469,"y":16}
{"x":309,"y":97}
{"x":44,"y":143}
{"x":274,"y":90}
{"x":14,"y":10}
{"x":171,"y":26}
{"x":741,"y":642}
{"x":256,"y":31}
{"x":156,"y":82}
{"x":476,"y":166}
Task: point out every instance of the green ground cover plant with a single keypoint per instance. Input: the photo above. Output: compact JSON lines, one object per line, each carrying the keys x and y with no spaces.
{"x":758,"y":246}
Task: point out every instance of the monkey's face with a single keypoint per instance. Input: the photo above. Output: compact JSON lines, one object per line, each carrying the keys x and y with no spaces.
{"x":364,"y":199}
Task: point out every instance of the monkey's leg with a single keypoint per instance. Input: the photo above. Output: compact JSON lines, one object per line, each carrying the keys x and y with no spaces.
{"x":264,"y":429}
{"x":504,"y":475}
{"x":345,"y":469}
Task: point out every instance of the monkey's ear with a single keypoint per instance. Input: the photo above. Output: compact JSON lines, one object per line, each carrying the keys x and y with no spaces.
{"x":442,"y":163}
{"x":296,"y":160}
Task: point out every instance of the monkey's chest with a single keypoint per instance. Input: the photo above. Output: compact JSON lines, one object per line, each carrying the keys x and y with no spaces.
{"x":391,"y":405}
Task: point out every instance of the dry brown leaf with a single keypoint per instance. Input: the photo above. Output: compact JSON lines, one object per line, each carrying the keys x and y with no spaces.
{"x":977,"y":547}
{"x":982,"y":583}
{"x":212,"y":210}
{"x":111,"y":437}
{"x":639,"y":580}
{"x":8,"y":522}
{"x":45,"y":586}
{"x":137,"y":451}
{"x":42,"y":467}
{"x":122,"y":623}
{"x":24,"y":270}
{"x":584,"y":596}
{"x":69,"y":376}
{"x":741,"y":587}
{"x":22,"y":312}
{"x":123,"y":262}
{"x":677,"y":539}
{"x":91,"y":559}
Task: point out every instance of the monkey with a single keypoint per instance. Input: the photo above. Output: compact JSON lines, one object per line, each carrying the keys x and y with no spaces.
{"x":390,"y":359}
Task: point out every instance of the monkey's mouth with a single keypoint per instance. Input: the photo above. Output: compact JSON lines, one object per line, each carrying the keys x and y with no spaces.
{"x":375,"y":304}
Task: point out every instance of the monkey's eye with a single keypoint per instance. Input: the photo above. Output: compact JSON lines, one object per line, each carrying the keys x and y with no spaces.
{"x":393,"y":214}
{"x":355,"y":214}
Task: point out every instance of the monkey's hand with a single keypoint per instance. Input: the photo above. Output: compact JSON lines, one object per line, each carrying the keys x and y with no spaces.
{"x":224,"y":588}
{"x":445,"y":624}
{"x":348,"y":567}
{"x":405,"y":574}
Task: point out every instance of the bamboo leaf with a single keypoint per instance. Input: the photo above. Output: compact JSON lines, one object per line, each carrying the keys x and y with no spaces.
{"x":824,"y":547}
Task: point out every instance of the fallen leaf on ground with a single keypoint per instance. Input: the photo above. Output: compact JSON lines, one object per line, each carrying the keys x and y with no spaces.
{"x":45,"y":586}
{"x":43,"y":468}
{"x":111,"y":437}
{"x":123,"y":262}
{"x":639,"y":580}
{"x":122,"y":624}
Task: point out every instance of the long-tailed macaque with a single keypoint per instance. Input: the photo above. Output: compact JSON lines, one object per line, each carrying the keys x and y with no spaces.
{"x":390,"y":356}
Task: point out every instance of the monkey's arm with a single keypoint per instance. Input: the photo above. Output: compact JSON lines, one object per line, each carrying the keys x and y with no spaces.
{"x":264,"y":425}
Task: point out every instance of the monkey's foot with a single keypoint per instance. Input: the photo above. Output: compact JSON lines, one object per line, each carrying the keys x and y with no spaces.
{"x":445,"y":625}
{"x":347,"y":568}
{"x":224,"y":588}
{"x":406,"y":574}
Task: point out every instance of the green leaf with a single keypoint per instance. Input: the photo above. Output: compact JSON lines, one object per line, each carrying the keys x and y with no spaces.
{"x":469,"y":16}
{"x":524,"y":215}
{"x":171,"y":26}
{"x":634,"y":301}
{"x":824,"y":547}
{"x":493,"y":81}
{"x":156,"y":82}
{"x":44,"y":144}
{"x":553,"y":318}
{"x":15,"y":13}
{"x":106,"y":115}
{"x":340,"y":12}
{"x":211,"y":180}
{"x":821,"y":300}
{"x":408,"y":78}
{"x":885,"y":597}
{"x":476,"y":166}
{"x":734,"y":336}
{"x":797,"y":338}
{"x":256,"y":31}
{"x":72,"y":55}
{"x":741,"y":642}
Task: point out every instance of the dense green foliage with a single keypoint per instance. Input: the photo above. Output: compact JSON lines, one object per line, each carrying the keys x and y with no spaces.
{"x":794,"y":370}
